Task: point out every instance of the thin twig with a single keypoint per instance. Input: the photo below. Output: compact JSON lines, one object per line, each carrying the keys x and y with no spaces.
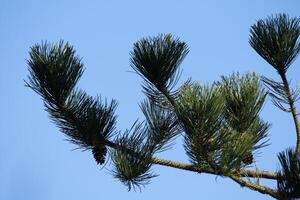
{"x":293,"y":110}
{"x":256,"y":187}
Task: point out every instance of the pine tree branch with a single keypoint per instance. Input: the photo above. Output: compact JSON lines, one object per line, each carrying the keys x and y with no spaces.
{"x":293,"y":110}
{"x":260,"y":174}
{"x":256,"y":187}
{"x":236,"y":176}
{"x":241,"y":173}
{"x":192,"y":168}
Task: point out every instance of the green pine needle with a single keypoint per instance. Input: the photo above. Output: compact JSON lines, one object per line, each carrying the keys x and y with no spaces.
{"x":54,"y":71}
{"x":221,"y":122}
{"x":133,"y":159}
{"x":162,"y":125}
{"x":289,"y":188}
{"x":276,"y":39}
{"x":156,"y":60}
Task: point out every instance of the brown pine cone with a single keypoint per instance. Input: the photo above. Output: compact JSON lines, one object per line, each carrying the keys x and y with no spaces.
{"x":99,"y":153}
{"x":248,"y":159}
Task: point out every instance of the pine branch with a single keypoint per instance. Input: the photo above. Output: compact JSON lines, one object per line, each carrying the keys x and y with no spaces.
{"x":276,"y":39}
{"x":221,"y":122}
{"x":236,"y":176}
{"x":133,"y":166}
{"x":54,"y":72}
{"x":289,"y":188}
{"x":193,"y":168}
{"x":293,"y":110}
{"x":256,"y":187}
{"x":157,"y":61}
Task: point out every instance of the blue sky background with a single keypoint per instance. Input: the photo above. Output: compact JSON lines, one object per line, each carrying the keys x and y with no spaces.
{"x":35,"y":160}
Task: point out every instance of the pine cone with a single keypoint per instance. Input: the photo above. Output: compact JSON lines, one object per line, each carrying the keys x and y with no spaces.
{"x":99,"y":153}
{"x":248,"y":159}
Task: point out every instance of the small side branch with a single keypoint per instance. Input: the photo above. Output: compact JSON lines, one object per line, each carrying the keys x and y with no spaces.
{"x":293,"y":111}
{"x":256,"y":187}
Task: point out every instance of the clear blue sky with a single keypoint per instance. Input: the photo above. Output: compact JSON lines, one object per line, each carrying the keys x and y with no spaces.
{"x":37,"y":163}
